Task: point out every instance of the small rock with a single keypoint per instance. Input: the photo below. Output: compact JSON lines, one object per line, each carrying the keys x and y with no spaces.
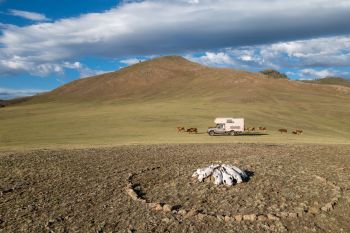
{"x":327,"y":207}
{"x":191,"y":213}
{"x":300,"y":211}
{"x":283,"y":214}
{"x":158,"y":207}
{"x":143,"y":201}
{"x":272,"y":217}
{"x":249,"y":217}
{"x":200,"y":216}
{"x":262,"y":218}
{"x":166,"y":220}
{"x":220,"y":218}
{"x":182,"y":212}
{"x":292,"y":215}
{"x":167,"y":208}
{"x":228,"y":218}
{"x":152,"y":205}
{"x":131,"y":193}
{"x":314,"y":210}
{"x":238,"y":217}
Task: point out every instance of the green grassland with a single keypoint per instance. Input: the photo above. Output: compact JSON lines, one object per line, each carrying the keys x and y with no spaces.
{"x":42,"y":125}
{"x":144,"y":103}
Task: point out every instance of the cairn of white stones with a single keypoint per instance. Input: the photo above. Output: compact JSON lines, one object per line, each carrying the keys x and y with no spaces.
{"x":221,"y":174}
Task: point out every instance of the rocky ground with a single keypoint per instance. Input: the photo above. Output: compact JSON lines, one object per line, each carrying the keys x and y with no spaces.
{"x":294,"y":188}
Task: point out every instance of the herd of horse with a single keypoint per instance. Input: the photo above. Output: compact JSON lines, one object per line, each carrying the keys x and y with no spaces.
{"x":254,"y":129}
{"x":248,"y":129}
{"x":189,"y":130}
{"x":297,"y":131}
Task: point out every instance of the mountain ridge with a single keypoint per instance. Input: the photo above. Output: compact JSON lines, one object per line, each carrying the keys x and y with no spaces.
{"x":172,"y":77}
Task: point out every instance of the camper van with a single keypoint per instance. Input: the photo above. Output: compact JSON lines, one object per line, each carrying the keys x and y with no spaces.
{"x":227,"y":125}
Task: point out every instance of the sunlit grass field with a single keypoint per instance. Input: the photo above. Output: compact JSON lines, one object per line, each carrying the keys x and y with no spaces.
{"x":44,"y":125}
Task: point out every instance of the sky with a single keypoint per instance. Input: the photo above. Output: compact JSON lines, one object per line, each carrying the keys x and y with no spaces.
{"x":45,"y":44}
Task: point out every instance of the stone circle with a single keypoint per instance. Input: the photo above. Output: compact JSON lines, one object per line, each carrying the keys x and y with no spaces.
{"x":135,"y":191}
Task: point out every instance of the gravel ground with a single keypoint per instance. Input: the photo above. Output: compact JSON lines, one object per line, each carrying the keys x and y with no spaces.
{"x":294,"y":188}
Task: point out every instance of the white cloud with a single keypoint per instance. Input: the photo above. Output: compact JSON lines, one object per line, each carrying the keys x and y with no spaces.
{"x":137,"y":28}
{"x":8,"y":93}
{"x":131,"y":61}
{"x":329,"y":52}
{"x":213,"y":59}
{"x":82,"y":69}
{"x":309,"y":74}
{"x":29,"y":15}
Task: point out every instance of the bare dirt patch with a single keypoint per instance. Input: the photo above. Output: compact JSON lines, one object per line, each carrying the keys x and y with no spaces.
{"x":305,"y":187}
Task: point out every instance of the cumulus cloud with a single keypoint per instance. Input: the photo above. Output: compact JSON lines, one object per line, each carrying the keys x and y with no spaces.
{"x":316,"y":74}
{"x":148,"y":27}
{"x":330,"y":52}
{"x":7,"y":93}
{"x":311,"y":74}
{"x":214,"y":59}
{"x":28,"y":15}
{"x":131,"y":61}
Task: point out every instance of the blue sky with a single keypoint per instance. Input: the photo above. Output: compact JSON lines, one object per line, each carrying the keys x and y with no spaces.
{"x":44,"y":44}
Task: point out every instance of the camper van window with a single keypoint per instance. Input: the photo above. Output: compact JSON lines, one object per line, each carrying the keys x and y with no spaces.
{"x":229,"y":121}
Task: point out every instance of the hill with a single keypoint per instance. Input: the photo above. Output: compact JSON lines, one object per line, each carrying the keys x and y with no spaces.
{"x":143,"y":103}
{"x":330,"y":81}
{"x":4,"y":103}
{"x":161,"y":77}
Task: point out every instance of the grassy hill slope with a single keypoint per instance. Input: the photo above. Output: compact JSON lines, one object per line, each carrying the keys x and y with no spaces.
{"x":144,"y":103}
{"x":330,"y":81}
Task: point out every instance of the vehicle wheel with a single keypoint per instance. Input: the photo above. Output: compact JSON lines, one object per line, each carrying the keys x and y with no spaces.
{"x":232,"y":133}
{"x":211,"y":133}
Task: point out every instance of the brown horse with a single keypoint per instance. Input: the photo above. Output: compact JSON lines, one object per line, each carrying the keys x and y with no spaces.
{"x":283,"y":131}
{"x":262,"y":128}
{"x":297,"y":131}
{"x":180,"y":129}
{"x":192,"y":130}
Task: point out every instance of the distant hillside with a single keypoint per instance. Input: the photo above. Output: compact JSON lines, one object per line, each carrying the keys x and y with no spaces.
{"x":274,"y":74}
{"x":145,"y":102}
{"x":4,"y":103}
{"x":173,"y":77}
{"x":164,"y":77}
{"x":330,"y":81}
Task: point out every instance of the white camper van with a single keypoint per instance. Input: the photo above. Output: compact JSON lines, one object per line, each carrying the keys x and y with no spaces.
{"x":227,"y":125}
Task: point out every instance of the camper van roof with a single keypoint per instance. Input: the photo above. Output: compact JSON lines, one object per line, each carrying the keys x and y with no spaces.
{"x":224,"y":119}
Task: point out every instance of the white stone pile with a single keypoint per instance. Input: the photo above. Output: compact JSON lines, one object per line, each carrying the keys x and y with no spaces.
{"x":221,"y":174}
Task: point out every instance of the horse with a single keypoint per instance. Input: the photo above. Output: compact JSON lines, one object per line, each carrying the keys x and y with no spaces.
{"x":299,"y":131}
{"x":180,"y":129}
{"x":283,"y":131}
{"x":262,"y":128}
{"x":192,"y":130}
